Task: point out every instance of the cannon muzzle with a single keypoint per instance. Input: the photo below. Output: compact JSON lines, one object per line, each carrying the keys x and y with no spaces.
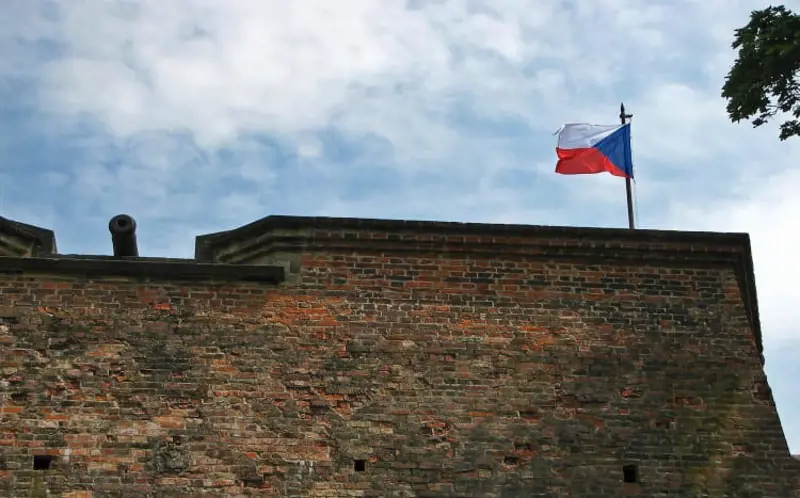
{"x":123,"y":236}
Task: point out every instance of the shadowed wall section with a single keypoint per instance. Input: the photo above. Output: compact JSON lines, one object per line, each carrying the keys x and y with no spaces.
{"x":396,"y":359}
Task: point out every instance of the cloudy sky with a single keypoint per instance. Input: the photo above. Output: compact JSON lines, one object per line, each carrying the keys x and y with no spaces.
{"x":200,"y":115}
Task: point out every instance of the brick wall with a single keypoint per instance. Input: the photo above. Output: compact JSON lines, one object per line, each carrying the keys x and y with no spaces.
{"x":388,"y":373}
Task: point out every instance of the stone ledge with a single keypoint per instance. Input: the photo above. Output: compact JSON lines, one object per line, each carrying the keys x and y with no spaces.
{"x":290,"y":232}
{"x":144,"y":268}
{"x":388,"y":225}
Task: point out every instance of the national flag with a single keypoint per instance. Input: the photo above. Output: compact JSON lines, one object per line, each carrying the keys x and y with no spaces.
{"x":587,"y":149}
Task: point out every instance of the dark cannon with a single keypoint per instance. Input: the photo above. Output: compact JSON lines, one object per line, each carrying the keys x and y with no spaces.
{"x":123,"y":236}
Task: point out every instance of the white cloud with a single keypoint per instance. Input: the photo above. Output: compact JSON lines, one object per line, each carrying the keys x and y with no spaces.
{"x":220,"y":69}
{"x":768,"y":209}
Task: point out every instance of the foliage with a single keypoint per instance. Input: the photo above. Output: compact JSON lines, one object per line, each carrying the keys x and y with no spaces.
{"x":763,"y":81}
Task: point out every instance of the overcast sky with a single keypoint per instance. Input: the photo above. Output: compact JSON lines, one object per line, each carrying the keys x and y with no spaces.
{"x":202,"y":115}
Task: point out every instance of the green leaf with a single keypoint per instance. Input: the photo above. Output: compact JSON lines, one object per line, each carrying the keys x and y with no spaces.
{"x":764,"y":80}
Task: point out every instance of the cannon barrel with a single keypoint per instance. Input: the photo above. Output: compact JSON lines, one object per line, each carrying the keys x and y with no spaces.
{"x":123,"y":236}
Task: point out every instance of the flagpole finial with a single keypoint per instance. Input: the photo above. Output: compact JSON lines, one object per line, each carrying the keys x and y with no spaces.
{"x":623,"y":117}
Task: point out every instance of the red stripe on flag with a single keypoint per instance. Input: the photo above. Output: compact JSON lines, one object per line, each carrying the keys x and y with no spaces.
{"x":586,"y":161}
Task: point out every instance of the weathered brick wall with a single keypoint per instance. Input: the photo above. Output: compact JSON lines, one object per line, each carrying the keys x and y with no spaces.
{"x":389,"y":375}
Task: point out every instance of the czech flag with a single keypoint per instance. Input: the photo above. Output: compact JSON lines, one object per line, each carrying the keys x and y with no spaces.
{"x":585,"y":149}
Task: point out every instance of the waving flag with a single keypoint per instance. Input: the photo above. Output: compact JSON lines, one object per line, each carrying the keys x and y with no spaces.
{"x":585,"y":149}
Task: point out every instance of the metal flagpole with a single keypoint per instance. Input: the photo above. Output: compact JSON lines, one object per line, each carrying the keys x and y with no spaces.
{"x":623,"y":118}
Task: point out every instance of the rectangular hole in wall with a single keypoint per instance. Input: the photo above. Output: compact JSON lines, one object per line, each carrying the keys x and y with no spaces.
{"x":359,"y":465}
{"x":42,"y":462}
{"x":629,"y":473}
{"x":319,"y":409}
{"x":253,"y":482}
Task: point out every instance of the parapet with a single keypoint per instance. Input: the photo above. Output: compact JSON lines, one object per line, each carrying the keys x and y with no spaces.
{"x":30,"y":249}
{"x":270,"y":249}
{"x":281,"y":236}
{"x":20,"y":240}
